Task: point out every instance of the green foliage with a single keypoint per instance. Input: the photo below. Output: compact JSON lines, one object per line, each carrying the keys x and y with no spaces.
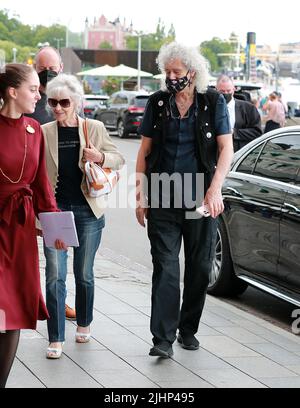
{"x":152,"y":41}
{"x":211,"y":49}
{"x":105,"y":45}
{"x":111,"y":85}
{"x":22,"y":35}
{"x":23,"y":53}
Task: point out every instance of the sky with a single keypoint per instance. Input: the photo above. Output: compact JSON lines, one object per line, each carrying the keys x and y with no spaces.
{"x":194,"y":20}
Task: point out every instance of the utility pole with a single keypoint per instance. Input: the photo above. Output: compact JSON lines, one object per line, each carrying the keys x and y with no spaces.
{"x":14,"y":50}
{"x":139,"y":62}
{"x":58,"y":40}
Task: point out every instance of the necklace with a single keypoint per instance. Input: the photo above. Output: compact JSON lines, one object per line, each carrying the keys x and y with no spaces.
{"x":184,"y":104}
{"x":23,"y":164}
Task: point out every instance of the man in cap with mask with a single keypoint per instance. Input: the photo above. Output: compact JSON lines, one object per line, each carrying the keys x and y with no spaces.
{"x":245,"y":119}
{"x":48,"y":65}
{"x":185,"y":134}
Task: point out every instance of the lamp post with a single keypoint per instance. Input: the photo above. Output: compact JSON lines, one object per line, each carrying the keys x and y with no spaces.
{"x":58,"y":40}
{"x":139,"y":61}
{"x":14,"y":50}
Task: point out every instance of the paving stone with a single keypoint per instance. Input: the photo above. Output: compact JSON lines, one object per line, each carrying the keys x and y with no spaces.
{"x":281,"y":382}
{"x":161,"y":369}
{"x":21,"y":377}
{"x":123,"y":379}
{"x":215,"y":321}
{"x":241,"y":335}
{"x":198,"y":360}
{"x":260,"y":367}
{"x":197,"y":383}
{"x":223,"y":346}
{"x":133,"y":319}
{"x":100,"y":360}
{"x":229,"y":378}
{"x":276,"y":354}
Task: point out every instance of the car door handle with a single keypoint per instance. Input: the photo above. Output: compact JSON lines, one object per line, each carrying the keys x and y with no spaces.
{"x":234,"y":192}
{"x":292,"y":207}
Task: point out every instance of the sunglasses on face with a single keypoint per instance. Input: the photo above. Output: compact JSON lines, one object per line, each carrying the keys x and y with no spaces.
{"x":64,"y":103}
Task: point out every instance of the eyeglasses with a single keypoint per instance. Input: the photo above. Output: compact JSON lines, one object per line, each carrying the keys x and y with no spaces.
{"x":64,"y":103}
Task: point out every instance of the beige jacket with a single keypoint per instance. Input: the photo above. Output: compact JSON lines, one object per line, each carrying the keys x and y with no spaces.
{"x":100,"y":139}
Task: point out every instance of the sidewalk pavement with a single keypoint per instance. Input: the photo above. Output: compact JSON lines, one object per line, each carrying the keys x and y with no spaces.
{"x":238,"y":350}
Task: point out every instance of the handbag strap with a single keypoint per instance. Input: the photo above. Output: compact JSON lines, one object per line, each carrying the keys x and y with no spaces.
{"x":86,"y":133}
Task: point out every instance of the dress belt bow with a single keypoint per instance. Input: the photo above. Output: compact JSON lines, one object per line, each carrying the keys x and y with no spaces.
{"x":21,"y":201}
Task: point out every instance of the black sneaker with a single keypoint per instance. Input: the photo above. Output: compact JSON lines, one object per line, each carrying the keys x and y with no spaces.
{"x":163,"y":350}
{"x":188,"y":342}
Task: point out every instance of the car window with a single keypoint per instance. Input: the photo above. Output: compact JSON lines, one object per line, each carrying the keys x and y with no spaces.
{"x":280,"y":159}
{"x":297,"y":181}
{"x":248,"y":164}
{"x":121,"y":100}
{"x":140,"y":101}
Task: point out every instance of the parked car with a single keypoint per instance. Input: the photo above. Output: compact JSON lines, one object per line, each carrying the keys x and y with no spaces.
{"x":124,"y":112}
{"x":244,"y":90}
{"x":92,"y":102}
{"x":258,"y":239}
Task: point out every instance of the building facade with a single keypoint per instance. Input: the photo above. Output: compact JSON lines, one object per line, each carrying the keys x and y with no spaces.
{"x":105,"y":31}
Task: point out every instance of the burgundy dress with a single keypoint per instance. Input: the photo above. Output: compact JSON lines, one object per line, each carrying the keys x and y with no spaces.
{"x":21,"y":300}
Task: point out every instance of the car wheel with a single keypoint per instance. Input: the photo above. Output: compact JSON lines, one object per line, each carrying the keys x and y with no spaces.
{"x":223,"y":281}
{"x":121,"y":129}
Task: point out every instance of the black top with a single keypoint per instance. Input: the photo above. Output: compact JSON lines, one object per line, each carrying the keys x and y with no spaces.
{"x":41,"y":114}
{"x":68,"y":189}
{"x":179,"y":153}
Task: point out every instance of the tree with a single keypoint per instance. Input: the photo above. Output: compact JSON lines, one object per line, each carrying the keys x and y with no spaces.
{"x":23,"y":53}
{"x":105,"y":45}
{"x":152,"y":41}
{"x":111,"y":85}
{"x":55,"y":35}
{"x":211,"y":49}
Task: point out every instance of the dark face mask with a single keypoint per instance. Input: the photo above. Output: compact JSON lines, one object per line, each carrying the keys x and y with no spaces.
{"x":177,"y":85}
{"x":228,"y":97}
{"x":46,"y":76}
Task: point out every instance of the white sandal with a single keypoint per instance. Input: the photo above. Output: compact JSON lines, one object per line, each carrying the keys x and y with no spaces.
{"x":54,"y":353}
{"x":82,"y":337}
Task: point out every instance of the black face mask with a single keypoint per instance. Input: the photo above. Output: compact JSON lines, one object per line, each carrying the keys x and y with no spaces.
{"x":228,"y":97}
{"x":177,"y":85}
{"x":46,"y":76}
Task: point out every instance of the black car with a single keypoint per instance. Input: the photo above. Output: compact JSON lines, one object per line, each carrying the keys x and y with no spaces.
{"x":258,"y":239}
{"x":92,"y":102}
{"x":124,"y":112}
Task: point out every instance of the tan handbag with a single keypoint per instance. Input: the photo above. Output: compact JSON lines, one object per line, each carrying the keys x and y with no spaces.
{"x":100,"y":181}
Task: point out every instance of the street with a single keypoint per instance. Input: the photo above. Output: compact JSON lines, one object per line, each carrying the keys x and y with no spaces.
{"x":126,"y":242}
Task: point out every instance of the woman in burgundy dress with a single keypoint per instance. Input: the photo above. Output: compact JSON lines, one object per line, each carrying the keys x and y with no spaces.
{"x":24,"y":192}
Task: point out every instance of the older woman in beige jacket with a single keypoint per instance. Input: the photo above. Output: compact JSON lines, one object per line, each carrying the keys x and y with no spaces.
{"x":66,"y":152}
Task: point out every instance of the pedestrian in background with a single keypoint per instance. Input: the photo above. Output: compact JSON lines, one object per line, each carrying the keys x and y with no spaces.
{"x":65,"y":151}
{"x":25,"y":191}
{"x":185,"y":130}
{"x":275,"y":113}
{"x":245,"y":119}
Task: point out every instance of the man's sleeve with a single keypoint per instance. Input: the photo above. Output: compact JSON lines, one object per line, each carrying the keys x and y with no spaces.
{"x":222,"y":121}
{"x":251,"y":129}
{"x":146,"y":127}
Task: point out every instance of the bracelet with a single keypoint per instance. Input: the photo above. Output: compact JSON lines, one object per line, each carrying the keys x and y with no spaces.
{"x":102,"y":160}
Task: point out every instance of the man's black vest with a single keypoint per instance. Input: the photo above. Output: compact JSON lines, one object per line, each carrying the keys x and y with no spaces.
{"x":205,"y":132}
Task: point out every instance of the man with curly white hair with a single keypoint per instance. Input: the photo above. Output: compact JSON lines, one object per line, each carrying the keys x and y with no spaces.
{"x":185,"y":133}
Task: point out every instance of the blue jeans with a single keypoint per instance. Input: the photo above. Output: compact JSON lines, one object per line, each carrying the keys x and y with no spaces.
{"x":89,"y":230}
